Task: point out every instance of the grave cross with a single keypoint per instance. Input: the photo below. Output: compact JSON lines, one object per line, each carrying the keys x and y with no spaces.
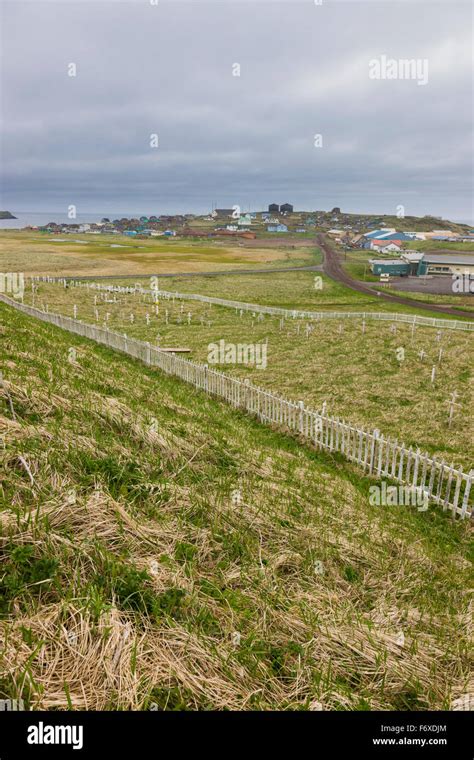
{"x":452,"y":404}
{"x":422,"y":354}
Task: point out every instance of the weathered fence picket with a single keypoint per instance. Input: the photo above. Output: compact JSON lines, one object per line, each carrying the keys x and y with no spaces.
{"x":360,"y":446}
{"x":284,"y":313}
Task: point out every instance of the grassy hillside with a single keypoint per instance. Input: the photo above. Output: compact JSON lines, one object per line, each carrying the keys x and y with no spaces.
{"x":355,"y":369}
{"x":132,"y":574}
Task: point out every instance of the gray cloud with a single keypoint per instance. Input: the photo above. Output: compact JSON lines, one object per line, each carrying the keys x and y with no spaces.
{"x":167,"y":69}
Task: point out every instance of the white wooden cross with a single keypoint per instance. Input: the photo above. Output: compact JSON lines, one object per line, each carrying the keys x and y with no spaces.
{"x":452,"y":404}
{"x":189,"y":317}
{"x":433,"y":373}
{"x":363,"y":325}
{"x":96,"y":312}
{"x":308,"y":330}
{"x":422,"y":354}
{"x":147,"y":318}
{"x":440,"y":355}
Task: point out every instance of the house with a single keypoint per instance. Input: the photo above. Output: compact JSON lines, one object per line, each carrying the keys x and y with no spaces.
{"x":273,"y":208}
{"x":244,"y":219}
{"x":447,"y":263}
{"x":395,"y":267}
{"x":385,"y":246}
{"x":287,"y":208}
{"x":277,"y":228}
{"x":224,"y":211}
{"x":379,"y":233}
{"x":415,"y":263}
{"x":232,"y":227}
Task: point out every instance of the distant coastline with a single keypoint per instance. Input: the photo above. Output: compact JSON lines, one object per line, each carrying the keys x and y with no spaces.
{"x":6,"y":215}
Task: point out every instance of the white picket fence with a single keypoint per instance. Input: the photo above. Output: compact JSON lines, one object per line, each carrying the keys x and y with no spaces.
{"x":278,"y":311}
{"x":377,"y":455}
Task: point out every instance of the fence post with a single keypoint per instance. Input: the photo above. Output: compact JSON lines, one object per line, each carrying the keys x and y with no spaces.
{"x":375,"y":436}
{"x":467,"y":490}
{"x":246,"y":393}
{"x":301,"y":421}
{"x":148,"y":352}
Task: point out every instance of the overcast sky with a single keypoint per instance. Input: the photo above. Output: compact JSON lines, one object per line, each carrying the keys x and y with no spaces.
{"x":167,"y":69}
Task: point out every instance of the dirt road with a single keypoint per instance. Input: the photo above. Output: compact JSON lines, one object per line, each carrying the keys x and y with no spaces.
{"x":332,"y":267}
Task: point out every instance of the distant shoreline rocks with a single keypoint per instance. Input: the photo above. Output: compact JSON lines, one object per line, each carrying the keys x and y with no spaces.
{"x":6,"y":215}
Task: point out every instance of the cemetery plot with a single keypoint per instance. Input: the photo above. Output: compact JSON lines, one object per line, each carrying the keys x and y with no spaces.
{"x":149,"y":530}
{"x":395,"y":377}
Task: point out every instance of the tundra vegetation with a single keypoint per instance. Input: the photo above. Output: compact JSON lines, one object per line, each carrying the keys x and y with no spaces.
{"x":373,"y":374}
{"x":160,"y":550}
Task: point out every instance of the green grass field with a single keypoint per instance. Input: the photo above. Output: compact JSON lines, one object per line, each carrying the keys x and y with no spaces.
{"x":355,"y":370}
{"x":158,"y":549}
